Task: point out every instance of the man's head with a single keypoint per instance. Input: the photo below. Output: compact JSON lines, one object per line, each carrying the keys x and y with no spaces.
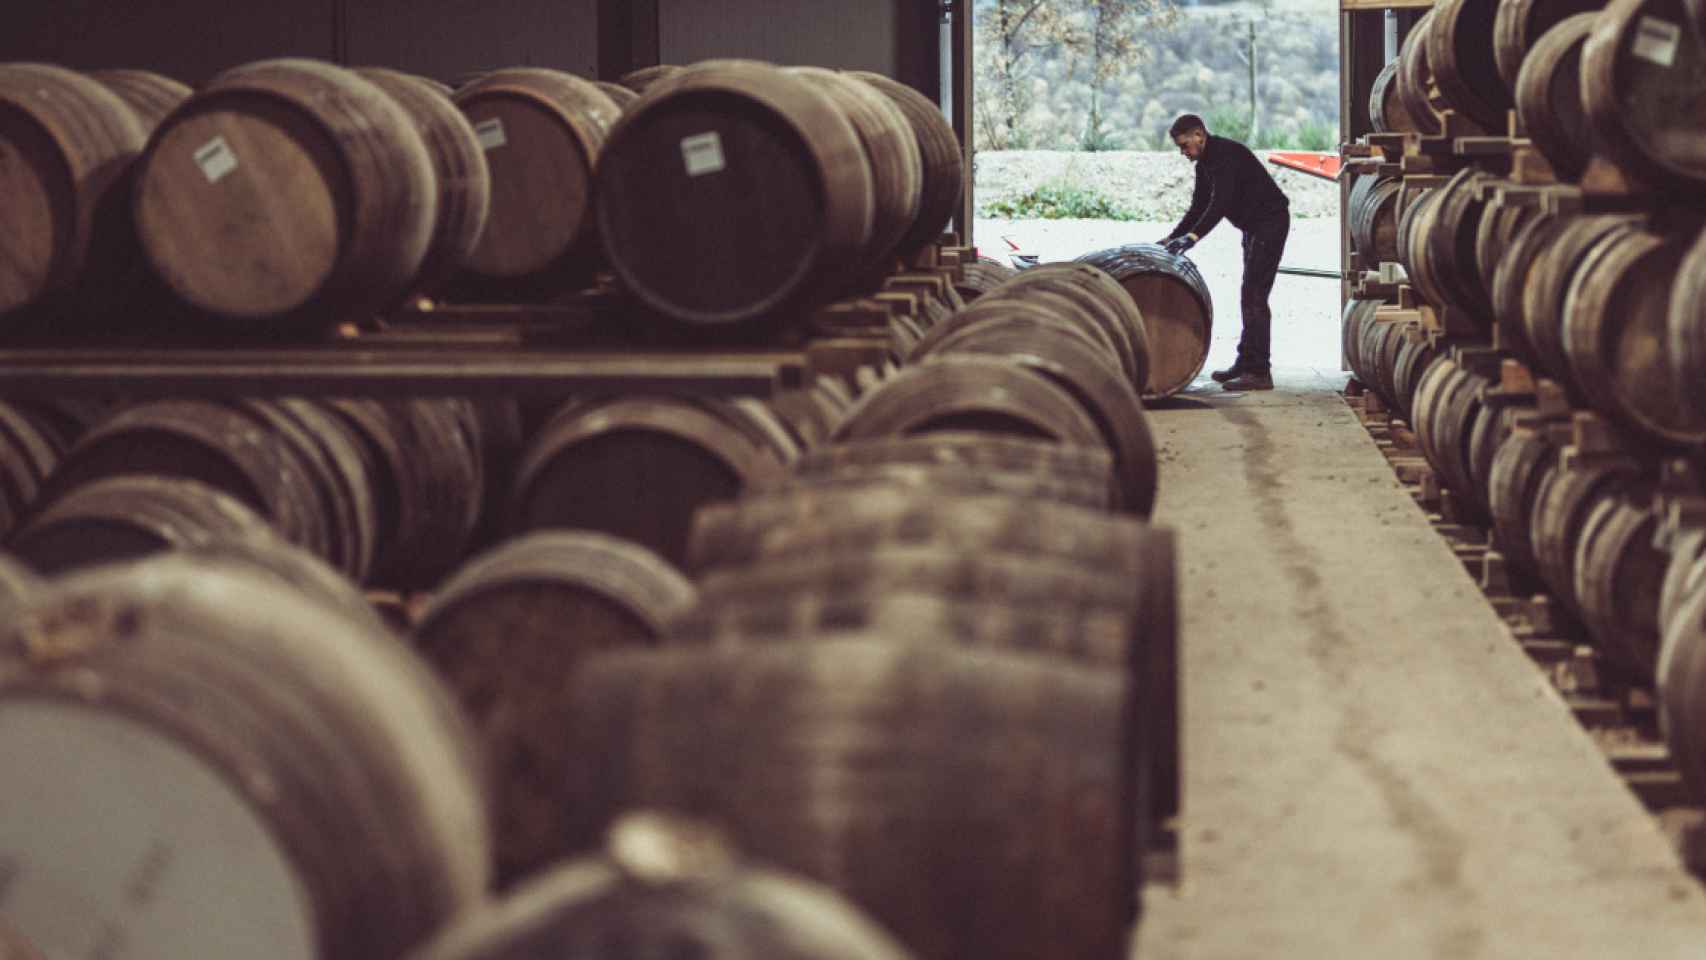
{"x":1190,"y":135}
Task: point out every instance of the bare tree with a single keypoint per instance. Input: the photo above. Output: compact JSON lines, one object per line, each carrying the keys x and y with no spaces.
{"x":1009,"y":34}
{"x":1111,"y":39}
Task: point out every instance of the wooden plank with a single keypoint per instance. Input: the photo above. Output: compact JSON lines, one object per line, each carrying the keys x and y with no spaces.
{"x":334,"y":371}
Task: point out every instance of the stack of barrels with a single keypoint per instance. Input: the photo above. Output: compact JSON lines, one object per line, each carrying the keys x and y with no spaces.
{"x":1571,"y":373}
{"x":287,"y":197}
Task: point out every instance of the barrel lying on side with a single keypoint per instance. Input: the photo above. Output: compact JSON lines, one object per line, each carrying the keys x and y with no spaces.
{"x":1178,"y":314}
{"x":982,"y":853}
{"x":1642,"y":84}
{"x":287,"y":196}
{"x":507,"y":632}
{"x":666,"y":885}
{"x":1548,"y":93}
{"x":278,"y":796}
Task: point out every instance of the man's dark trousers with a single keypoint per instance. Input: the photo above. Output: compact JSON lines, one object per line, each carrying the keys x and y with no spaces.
{"x":1263,"y":245}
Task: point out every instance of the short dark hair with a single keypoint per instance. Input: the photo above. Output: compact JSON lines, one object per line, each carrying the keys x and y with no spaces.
{"x":1185,"y":124}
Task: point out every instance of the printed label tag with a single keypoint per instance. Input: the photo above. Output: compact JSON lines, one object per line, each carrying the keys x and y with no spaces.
{"x":215,"y":159}
{"x":490,"y":133}
{"x":703,"y":153}
{"x":1656,"y":40}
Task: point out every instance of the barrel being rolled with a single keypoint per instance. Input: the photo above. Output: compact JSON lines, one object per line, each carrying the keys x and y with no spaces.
{"x":543,"y":133}
{"x":1178,"y":314}
{"x":287,"y":196}
{"x":731,"y":194}
{"x":297,"y":769}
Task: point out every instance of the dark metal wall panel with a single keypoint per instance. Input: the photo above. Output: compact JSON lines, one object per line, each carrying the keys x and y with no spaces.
{"x":842,"y":34}
{"x":187,"y":39}
{"x":447,"y":38}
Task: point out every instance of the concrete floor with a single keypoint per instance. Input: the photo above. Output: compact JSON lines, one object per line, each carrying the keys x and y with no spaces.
{"x":1372,"y":768}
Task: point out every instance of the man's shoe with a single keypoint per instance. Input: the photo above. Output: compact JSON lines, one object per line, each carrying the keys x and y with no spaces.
{"x":1248,"y":380}
{"x":1221,"y":376}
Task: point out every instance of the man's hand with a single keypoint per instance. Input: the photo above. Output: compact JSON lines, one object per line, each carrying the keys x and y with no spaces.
{"x":1179,"y":245}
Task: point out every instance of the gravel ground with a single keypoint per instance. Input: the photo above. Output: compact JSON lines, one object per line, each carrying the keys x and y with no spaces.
{"x":1305,"y":309}
{"x":1157,"y":186}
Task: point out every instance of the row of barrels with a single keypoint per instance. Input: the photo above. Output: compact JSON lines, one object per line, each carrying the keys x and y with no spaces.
{"x":1620,"y":79}
{"x":288,"y":196}
{"x":967,"y":570}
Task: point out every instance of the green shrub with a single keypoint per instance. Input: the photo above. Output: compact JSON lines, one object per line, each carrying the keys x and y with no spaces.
{"x":1058,"y":201}
{"x":1317,"y":135}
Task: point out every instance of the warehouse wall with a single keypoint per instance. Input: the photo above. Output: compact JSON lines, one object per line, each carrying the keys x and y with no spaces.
{"x":194,"y":39}
{"x":893,"y":37}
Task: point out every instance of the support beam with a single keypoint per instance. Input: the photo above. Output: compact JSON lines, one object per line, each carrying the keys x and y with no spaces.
{"x":627,"y":37}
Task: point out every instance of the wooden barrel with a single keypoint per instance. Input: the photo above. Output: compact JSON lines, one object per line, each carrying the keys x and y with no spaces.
{"x":1520,"y":466}
{"x":1560,"y":510}
{"x":1386,"y":341}
{"x":1681,"y":684}
{"x":1425,"y":240}
{"x":1493,"y":425}
{"x":1642,"y":84}
{"x":618,"y":94}
{"x":1684,"y":574}
{"x":1414,"y":356}
{"x":958,"y":480}
{"x":1104,"y":302}
{"x":642,"y":79}
{"x":685,"y":236}
{"x":637,"y":467}
{"x":127,"y":518}
{"x":1520,"y":26}
{"x":897,"y":167}
{"x":29,"y":454}
{"x":1516,"y":270}
{"x":960,"y":850}
{"x":507,"y":632}
{"x":1685,"y":339}
{"x":1460,"y":55}
{"x":666,"y":886}
{"x":981,"y":276}
{"x":1386,"y":112}
{"x":243,"y":448}
{"x":1451,"y":225}
{"x":945,"y":175}
{"x":983,"y":394}
{"x":66,"y":146}
{"x":1045,"y":307}
{"x":298,"y":769}
{"x":1178,"y":314}
{"x":1373,"y":214}
{"x":459,"y":164}
{"x":1415,"y":76}
{"x":1445,"y":407}
{"x":286,"y":196}
{"x":969,"y":454}
{"x":1098,"y":387}
{"x":1618,"y":574}
{"x":1549,"y":93}
{"x":425,"y":472}
{"x":543,"y":133}
{"x":1353,"y":323}
{"x":1616,"y":314}
{"x":1544,"y":294}
{"x":1497,"y":231}
{"x":150,"y":95}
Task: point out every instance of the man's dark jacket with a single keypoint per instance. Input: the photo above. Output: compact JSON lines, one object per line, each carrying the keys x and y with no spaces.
{"x":1232,"y":183}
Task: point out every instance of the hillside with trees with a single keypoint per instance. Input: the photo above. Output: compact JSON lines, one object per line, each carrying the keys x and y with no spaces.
{"x":1112,"y":74}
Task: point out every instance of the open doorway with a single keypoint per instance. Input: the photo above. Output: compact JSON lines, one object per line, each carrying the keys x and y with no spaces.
{"x":1073,"y":99}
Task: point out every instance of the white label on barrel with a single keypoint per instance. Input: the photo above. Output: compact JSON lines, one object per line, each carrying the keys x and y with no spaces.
{"x":703,"y":153}
{"x":215,"y":159}
{"x":119,"y":843}
{"x":491,"y":133}
{"x":1657,"y":40}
